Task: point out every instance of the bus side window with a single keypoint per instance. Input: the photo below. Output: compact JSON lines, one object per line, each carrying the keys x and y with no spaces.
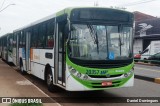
{"x":20,"y":40}
{"x":34,"y":37}
{"x":23,"y":39}
{"x":42,"y":35}
{"x":50,"y":42}
{"x":50,"y":33}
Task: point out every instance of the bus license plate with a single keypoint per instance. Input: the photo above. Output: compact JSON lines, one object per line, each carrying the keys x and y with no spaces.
{"x":107,"y":83}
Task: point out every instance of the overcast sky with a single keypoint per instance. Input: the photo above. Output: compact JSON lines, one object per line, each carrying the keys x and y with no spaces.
{"x":27,"y":11}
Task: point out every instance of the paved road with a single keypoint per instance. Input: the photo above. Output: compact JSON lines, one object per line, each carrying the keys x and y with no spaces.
{"x":149,"y":71}
{"x":13,"y":84}
{"x":141,"y":89}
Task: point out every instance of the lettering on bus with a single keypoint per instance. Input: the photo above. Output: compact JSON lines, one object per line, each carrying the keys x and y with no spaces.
{"x":96,"y":72}
{"x":36,"y":57}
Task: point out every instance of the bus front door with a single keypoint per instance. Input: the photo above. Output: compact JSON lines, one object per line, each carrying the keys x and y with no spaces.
{"x":60,"y":55}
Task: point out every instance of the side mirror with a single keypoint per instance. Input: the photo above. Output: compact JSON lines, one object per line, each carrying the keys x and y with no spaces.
{"x":72,"y":28}
{"x":66,"y":30}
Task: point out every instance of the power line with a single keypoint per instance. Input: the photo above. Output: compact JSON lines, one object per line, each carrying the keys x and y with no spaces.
{"x":6,"y":7}
{"x":138,"y":2}
{"x":2,"y":4}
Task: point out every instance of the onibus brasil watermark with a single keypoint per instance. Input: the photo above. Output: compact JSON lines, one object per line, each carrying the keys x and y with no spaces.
{"x":21,"y":100}
{"x":80,"y":99}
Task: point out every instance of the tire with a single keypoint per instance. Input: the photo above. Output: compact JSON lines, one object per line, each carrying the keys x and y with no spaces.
{"x":49,"y":81}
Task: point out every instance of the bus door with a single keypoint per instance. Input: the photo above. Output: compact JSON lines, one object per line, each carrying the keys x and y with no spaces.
{"x":60,"y":54}
{"x":15,"y":49}
{"x":28,"y":35}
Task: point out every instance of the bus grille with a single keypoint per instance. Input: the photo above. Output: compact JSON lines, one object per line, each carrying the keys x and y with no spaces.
{"x":111,"y":76}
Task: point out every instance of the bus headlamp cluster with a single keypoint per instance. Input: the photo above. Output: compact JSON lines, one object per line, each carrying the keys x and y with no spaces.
{"x":128,"y":73}
{"x":78,"y":74}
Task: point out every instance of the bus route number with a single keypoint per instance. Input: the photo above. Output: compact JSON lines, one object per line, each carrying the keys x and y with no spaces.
{"x":96,"y":72}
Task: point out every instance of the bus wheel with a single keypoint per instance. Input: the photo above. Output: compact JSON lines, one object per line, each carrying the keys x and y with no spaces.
{"x":49,"y":80}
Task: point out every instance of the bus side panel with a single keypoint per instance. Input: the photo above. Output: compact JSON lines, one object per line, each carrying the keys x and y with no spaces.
{"x":39,"y":59}
{"x":35,"y":64}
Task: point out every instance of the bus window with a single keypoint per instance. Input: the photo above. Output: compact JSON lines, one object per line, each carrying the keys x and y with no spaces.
{"x":34,"y":37}
{"x":20,"y":40}
{"x":50,"y":41}
{"x":42,"y":36}
{"x":14,"y":39}
{"x":50,"y":33}
{"x":23,"y":39}
{"x":60,"y":41}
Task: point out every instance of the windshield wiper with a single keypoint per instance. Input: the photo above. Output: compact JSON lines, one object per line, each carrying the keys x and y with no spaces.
{"x":97,"y":42}
{"x":120,"y":40}
{"x":94,"y":36}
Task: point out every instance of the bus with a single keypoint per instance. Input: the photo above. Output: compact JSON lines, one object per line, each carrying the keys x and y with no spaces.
{"x":6,"y":50}
{"x":78,"y":49}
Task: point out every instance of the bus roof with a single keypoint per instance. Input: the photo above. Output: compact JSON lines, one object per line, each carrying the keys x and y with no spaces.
{"x":5,"y":35}
{"x":64,"y":11}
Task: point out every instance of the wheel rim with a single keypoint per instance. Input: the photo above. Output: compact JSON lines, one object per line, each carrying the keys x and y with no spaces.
{"x":49,"y":79}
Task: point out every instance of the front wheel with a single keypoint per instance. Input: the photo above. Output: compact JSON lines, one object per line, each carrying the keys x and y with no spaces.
{"x":49,"y":80}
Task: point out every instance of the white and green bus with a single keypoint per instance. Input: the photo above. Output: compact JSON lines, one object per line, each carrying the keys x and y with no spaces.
{"x":78,"y":49}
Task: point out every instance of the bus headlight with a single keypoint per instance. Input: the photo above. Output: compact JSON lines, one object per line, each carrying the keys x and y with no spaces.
{"x":79,"y":75}
{"x":75,"y":73}
{"x":85,"y":77}
{"x":128,"y":73}
{"x":70,"y":67}
{"x":125,"y":75}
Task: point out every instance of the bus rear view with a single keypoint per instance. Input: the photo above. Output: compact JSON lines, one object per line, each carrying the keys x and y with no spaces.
{"x":99,"y":52}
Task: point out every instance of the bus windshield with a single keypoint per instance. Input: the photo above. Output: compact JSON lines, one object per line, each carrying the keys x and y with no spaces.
{"x":100,"y":42}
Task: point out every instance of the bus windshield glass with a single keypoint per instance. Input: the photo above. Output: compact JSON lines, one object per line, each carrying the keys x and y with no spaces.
{"x":100,"y":42}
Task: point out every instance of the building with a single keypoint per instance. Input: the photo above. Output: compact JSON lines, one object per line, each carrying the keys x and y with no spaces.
{"x":142,"y":16}
{"x":147,"y":29}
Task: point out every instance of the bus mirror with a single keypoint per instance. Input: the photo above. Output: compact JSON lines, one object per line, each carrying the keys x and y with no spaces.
{"x":72,"y":28}
{"x":66,"y":31}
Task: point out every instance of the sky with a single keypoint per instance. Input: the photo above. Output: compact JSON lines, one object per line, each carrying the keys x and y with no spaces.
{"x":15,"y":14}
